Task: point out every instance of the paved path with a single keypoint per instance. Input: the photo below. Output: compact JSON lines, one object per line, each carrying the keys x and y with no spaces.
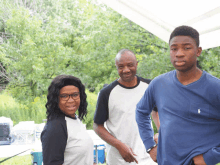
{"x":13,"y":149}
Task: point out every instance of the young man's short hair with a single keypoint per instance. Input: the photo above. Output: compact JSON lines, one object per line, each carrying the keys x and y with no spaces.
{"x":186,"y":31}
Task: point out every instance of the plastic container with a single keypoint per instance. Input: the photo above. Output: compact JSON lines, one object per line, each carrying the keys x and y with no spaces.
{"x":37,"y":158}
{"x":101,"y":154}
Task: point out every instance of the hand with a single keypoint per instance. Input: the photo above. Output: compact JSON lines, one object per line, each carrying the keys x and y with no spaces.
{"x":127,"y":153}
{"x":156,"y":137}
{"x":153,"y":154}
{"x":199,"y":160}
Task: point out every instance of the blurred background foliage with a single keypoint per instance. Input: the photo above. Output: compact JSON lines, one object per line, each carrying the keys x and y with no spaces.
{"x":42,"y":39}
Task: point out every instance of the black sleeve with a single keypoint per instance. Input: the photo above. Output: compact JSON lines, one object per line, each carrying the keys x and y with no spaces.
{"x":145,"y":80}
{"x":54,"y":139}
{"x":101,"y":113}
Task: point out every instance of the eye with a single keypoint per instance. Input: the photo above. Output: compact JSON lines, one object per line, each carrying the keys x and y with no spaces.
{"x":130,"y":65}
{"x":75,"y":95}
{"x":63,"y":96}
{"x":120,"y":67}
{"x":173,"y":49}
{"x":187,"y":48}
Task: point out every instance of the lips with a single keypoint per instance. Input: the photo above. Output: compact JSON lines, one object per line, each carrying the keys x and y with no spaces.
{"x":179,"y":63}
{"x":71,"y":107}
{"x":127,"y":75}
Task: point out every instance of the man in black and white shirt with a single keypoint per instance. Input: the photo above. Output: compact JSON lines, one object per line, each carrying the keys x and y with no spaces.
{"x":116,"y":106}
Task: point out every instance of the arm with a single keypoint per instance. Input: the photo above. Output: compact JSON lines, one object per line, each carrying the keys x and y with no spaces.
{"x":125,"y":151}
{"x":54,"y":138}
{"x":199,"y":160}
{"x":155,"y":118}
{"x":143,"y":111}
{"x":101,"y":115}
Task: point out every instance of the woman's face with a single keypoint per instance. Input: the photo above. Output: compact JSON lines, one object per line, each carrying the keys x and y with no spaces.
{"x":69,"y":100}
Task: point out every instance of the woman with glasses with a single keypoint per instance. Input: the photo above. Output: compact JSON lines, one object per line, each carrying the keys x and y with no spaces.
{"x":64,"y":138}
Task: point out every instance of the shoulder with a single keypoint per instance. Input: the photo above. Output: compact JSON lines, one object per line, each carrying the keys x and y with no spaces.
{"x":57,"y":120}
{"x":55,"y":124}
{"x":107,"y":90}
{"x":212,"y":79}
{"x":147,"y":81}
{"x":165,"y":76}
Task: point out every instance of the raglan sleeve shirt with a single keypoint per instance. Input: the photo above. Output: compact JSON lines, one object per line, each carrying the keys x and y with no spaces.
{"x":54,"y":140}
{"x":143,"y":111}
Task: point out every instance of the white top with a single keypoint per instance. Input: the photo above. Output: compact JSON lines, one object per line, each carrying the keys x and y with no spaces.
{"x":79,"y":148}
{"x":120,"y":122}
{"x":66,"y":141}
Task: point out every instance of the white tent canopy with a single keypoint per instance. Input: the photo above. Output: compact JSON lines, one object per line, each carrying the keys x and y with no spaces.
{"x":160,"y":17}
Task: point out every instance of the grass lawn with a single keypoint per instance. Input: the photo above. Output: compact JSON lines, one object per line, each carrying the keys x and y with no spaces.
{"x":18,"y":160}
{"x":21,"y":160}
{"x":25,"y":160}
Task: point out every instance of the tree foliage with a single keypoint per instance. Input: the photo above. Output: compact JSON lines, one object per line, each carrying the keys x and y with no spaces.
{"x":42,"y":39}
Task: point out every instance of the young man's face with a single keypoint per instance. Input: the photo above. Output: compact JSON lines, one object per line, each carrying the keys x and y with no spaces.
{"x":184,"y":53}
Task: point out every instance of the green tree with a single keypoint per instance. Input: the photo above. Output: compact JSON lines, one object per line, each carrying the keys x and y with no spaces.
{"x":210,"y":61}
{"x":33,"y":56}
{"x":42,"y":39}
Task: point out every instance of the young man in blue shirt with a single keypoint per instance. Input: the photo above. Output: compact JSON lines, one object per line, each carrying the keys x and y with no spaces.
{"x":188,"y":102}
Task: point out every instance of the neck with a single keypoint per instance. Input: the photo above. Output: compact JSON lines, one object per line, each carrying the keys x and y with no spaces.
{"x":131,"y":83}
{"x":189,"y":76}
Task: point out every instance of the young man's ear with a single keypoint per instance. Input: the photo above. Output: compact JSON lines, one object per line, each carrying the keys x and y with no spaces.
{"x":199,"y":51}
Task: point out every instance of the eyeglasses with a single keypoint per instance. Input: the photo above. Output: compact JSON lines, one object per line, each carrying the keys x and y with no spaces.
{"x":66,"y":97}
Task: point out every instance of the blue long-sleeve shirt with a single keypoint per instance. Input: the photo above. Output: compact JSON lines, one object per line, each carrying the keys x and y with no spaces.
{"x":189,"y":119}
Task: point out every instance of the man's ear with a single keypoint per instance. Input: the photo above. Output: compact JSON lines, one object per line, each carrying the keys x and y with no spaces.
{"x":199,"y":51}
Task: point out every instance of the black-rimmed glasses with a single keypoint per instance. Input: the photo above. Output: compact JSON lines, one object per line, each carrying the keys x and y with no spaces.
{"x":66,"y":97}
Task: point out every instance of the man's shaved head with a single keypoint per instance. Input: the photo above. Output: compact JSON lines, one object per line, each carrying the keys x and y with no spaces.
{"x":126,"y":64}
{"x":121,"y":52}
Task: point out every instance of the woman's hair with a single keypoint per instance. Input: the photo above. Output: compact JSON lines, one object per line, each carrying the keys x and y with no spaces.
{"x":59,"y":82}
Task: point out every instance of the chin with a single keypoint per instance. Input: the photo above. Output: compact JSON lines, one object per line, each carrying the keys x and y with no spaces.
{"x":72,"y":114}
{"x":183,"y":69}
{"x":128,"y":79}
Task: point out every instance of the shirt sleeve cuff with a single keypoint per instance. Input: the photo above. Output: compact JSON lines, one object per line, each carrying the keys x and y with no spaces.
{"x":149,"y":143}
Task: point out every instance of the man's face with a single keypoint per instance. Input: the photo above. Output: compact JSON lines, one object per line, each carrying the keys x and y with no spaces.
{"x":127,"y":66}
{"x":184,"y":53}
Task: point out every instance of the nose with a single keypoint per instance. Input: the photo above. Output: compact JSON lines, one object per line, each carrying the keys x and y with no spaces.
{"x":126,"y":69}
{"x":179,"y":53}
{"x":70,"y":99}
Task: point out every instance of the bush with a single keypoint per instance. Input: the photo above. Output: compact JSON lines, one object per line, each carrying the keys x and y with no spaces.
{"x":91,"y":99}
{"x":12,"y":109}
{"x":35,"y":110}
